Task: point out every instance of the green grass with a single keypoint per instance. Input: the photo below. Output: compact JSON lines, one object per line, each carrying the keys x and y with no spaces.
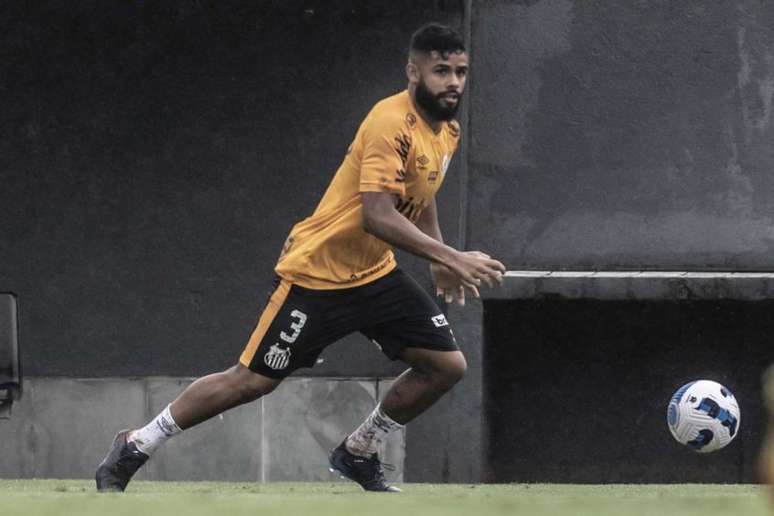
{"x":77,"y":497}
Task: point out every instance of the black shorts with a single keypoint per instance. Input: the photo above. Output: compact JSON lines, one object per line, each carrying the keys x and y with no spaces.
{"x":298,"y":323}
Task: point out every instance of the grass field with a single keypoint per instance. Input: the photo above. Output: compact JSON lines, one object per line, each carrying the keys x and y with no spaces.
{"x":76,"y":497}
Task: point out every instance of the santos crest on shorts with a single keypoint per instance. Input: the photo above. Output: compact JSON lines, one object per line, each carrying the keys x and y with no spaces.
{"x":394,"y":151}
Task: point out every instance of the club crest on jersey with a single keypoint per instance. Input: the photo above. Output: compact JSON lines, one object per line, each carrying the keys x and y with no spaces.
{"x":277,"y":358}
{"x":439,"y":320}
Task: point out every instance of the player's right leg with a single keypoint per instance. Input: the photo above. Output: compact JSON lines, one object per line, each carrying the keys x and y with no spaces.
{"x":261,"y":368}
{"x":206,"y":397}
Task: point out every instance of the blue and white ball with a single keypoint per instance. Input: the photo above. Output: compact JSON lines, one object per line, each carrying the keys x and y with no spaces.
{"x":704,"y":416}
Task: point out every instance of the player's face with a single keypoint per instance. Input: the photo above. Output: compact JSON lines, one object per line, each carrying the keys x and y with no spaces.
{"x":440,"y":82}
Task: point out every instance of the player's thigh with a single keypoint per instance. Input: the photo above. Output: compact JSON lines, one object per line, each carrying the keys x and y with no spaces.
{"x":402,"y":316}
{"x":293,"y":329}
{"x":250,"y":383}
{"x":429,"y":361}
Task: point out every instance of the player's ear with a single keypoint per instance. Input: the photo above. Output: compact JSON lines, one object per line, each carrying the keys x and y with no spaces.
{"x":412,"y":72}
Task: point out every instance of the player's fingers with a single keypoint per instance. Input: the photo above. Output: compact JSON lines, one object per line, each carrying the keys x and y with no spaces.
{"x":470,"y":286}
{"x":499,"y":265}
{"x":496,"y":277}
{"x":438,"y":291}
{"x":461,"y":296}
{"x":470,"y":279}
{"x":448,"y":296}
{"x":486,"y":275}
{"x":480,"y":254}
{"x":493,"y":264}
{"x":467,"y":273}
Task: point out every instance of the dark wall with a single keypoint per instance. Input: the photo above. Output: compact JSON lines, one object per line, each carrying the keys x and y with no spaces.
{"x":577,"y":390}
{"x":623,"y":135}
{"x":154,"y":155}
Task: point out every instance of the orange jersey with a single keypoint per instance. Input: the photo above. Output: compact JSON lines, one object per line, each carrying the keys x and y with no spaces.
{"x":394,"y":151}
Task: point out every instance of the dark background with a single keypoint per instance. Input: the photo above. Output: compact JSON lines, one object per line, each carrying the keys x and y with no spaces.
{"x":576,"y":391}
{"x":153,"y":157}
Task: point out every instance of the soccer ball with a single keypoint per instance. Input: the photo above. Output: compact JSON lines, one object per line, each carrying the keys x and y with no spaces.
{"x":703,"y":415}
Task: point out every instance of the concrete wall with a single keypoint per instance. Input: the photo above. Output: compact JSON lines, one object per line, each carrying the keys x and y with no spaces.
{"x":63,"y":428}
{"x":634,"y":135}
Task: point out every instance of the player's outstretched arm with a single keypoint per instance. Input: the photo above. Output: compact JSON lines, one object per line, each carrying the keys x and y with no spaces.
{"x":447,"y":284}
{"x":382,"y":220}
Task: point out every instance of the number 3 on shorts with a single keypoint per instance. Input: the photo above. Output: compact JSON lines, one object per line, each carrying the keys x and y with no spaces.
{"x":295,"y":326}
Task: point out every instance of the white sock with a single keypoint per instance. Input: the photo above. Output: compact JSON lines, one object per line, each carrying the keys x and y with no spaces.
{"x":365,"y":440}
{"x":155,"y":433}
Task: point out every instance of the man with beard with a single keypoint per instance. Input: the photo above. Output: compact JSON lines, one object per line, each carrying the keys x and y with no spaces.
{"x":337,"y":275}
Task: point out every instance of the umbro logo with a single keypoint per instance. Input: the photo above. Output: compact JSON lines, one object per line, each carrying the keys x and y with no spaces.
{"x":423,"y":160}
{"x":439,"y":320}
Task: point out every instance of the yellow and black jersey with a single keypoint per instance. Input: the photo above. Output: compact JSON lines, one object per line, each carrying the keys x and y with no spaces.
{"x":394,"y":151}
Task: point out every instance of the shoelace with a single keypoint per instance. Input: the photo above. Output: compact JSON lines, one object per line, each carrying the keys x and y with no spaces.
{"x":380,"y":467}
{"x":388,"y":467}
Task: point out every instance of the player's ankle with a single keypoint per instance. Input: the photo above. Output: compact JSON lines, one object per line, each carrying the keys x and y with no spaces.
{"x":158,"y":431}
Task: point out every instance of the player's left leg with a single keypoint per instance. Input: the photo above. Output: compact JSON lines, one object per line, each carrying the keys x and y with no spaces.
{"x":432,"y":373}
{"x":405,"y":322}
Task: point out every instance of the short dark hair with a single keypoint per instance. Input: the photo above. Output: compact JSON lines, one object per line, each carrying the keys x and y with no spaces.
{"x":438,"y":37}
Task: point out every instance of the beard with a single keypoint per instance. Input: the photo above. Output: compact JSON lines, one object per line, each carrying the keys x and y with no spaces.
{"x":434,"y":105}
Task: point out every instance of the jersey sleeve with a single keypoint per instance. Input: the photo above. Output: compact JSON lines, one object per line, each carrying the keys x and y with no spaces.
{"x":387,"y":144}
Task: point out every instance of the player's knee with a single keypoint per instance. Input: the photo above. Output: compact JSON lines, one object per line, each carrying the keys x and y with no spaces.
{"x":258,"y":387}
{"x":452,"y":370}
{"x":251,"y":386}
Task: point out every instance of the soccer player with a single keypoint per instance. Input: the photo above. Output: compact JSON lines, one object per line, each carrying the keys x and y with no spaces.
{"x":337,"y":275}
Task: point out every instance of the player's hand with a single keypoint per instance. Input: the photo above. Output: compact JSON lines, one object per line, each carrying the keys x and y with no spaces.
{"x":448,"y":285}
{"x":474,"y":268}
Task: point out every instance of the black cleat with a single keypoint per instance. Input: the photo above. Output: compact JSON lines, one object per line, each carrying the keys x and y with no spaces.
{"x":121,"y":462}
{"x":365,"y":471}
